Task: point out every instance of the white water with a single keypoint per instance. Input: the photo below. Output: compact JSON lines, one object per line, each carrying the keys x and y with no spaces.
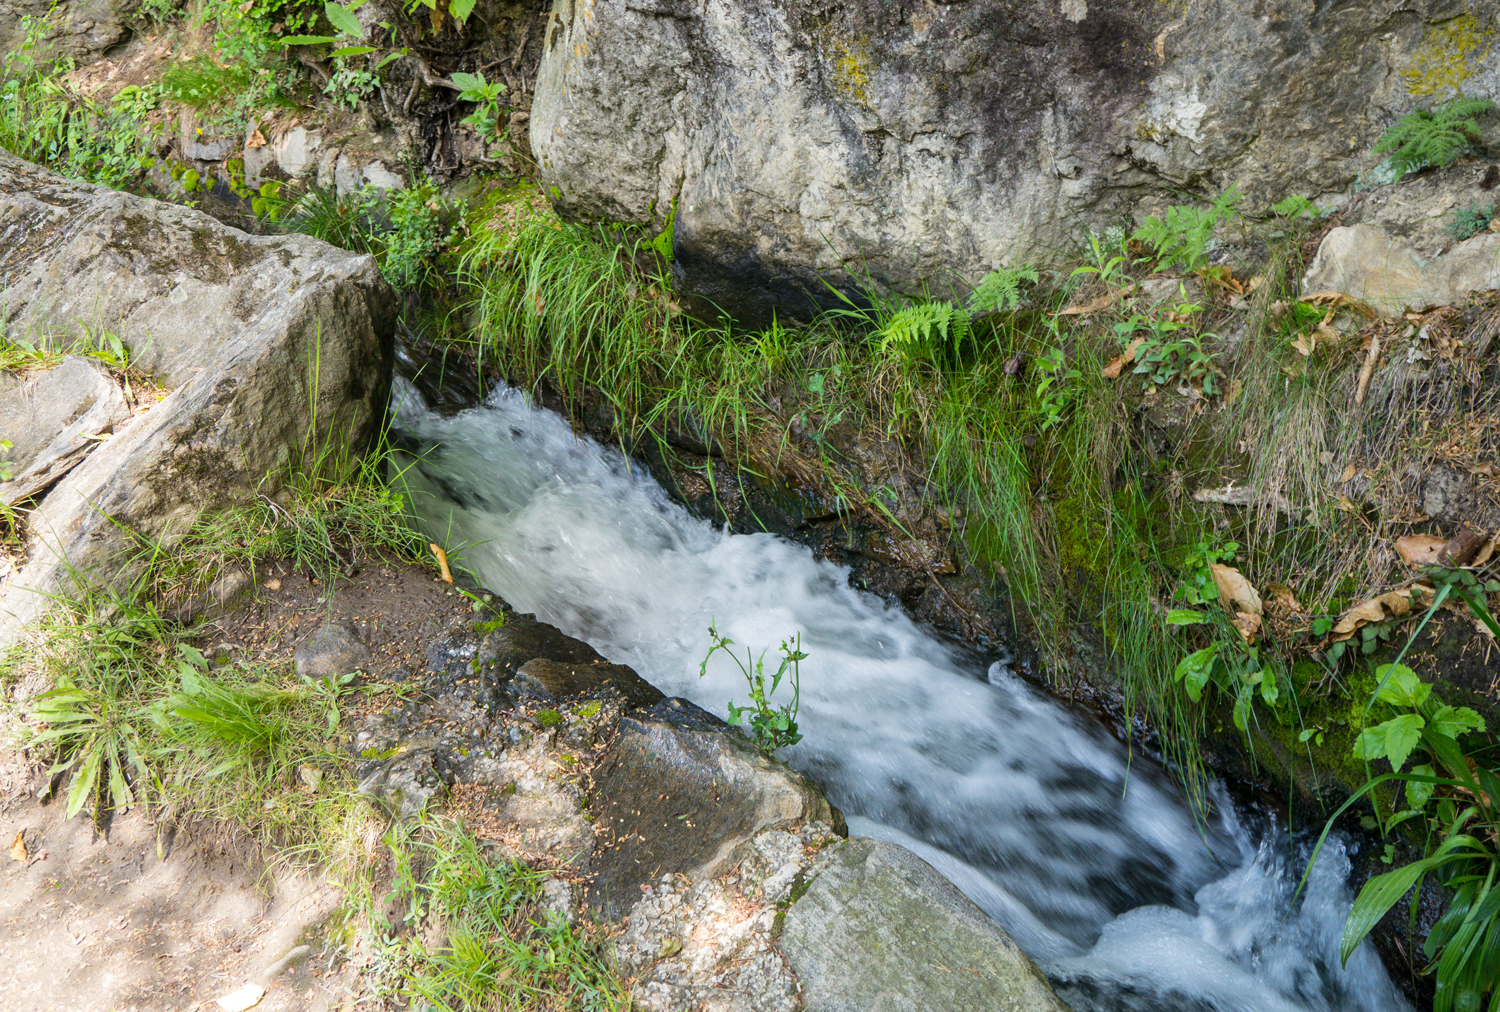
{"x":1097,"y":870}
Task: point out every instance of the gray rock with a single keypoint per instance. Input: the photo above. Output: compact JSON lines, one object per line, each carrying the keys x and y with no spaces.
{"x":49,"y":416}
{"x":879,"y":930}
{"x":550,"y":681}
{"x":78,"y":28}
{"x":335,"y":649}
{"x":681,"y":792}
{"x":408,"y":783}
{"x":911,"y":139}
{"x":1368,"y":263}
{"x":277,"y":348}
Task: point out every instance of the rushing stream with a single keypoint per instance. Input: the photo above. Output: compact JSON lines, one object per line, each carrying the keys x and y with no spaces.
{"x":1091,"y":862}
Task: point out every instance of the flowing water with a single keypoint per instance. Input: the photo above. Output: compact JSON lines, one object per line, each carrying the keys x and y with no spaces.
{"x":1089,"y":860}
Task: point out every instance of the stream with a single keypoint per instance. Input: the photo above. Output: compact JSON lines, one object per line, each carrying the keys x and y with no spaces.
{"x":1085,"y":855}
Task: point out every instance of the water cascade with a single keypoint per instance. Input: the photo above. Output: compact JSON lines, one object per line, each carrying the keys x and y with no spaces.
{"x":1086,"y":856}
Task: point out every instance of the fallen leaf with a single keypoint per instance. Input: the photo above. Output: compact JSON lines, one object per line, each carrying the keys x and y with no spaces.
{"x":1112,"y":371}
{"x":256,"y":140}
{"x":1102,"y":302}
{"x":1282,"y":594}
{"x":1349,"y":472}
{"x":18,"y":851}
{"x":1248,"y":624}
{"x":1461,"y":548}
{"x":1235,"y":592}
{"x":1487,"y":551}
{"x":1395,"y":604}
{"x":1331,"y":298}
{"x":1418,"y":550}
{"x":1305,"y":344}
{"x":1366,"y":371}
{"x":442,"y":558}
{"x":246,"y":997}
{"x":272,"y":584}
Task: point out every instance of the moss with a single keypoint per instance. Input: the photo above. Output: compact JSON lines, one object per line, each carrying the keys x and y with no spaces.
{"x":590,"y":709}
{"x":1447,"y":56}
{"x":662,"y":242}
{"x":849,"y":63}
{"x":549,"y":718}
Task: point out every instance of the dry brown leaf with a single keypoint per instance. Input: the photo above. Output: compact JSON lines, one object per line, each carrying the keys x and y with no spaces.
{"x":1112,"y":371}
{"x":1366,"y":371}
{"x":1235,"y":592}
{"x":1393,"y":604}
{"x":1248,"y":624}
{"x":18,"y":851}
{"x":442,"y":558}
{"x":1349,"y":472}
{"x":1102,"y":302}
{"x":1336,"y":299}
{"x":1305,"y":344}
{"x":1282,"y":594}
{"x":273,"y":583}
{"x":256,"y":140}
{"x":1484,"y":554}
{"x":1418,"y":550}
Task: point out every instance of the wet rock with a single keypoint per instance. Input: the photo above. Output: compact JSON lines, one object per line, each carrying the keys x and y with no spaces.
{"x":1391,"y":275}
{"x":880,"y":928}
{"x":680,"y":792}
{"x":335,"y":649}
{"x":229,"y":322}
{"x":406,"y":784}
{"x":551,"y":681}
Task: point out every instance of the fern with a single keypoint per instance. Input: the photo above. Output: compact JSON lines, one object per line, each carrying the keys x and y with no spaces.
{"x":925,"y":330}
{"x":1000,"y":291}
{"x":1184,"y":234}
{"x":1422,"y":138}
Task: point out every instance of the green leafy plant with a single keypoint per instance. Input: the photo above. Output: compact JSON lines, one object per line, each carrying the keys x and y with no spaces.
{"x":1296,"y":206}
{"x":1184,"y":234}
{"x":485,"y":95}
{"x":1453,"y":795}
{"x":1470,"y":221}
{"x":770,"y":728}
{"x":1434,"y":137}
{"x":418,"y":233}
{"x":1170,"y":349}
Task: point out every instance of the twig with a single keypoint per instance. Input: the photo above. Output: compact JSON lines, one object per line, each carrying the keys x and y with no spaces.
{"x":428,"y":77}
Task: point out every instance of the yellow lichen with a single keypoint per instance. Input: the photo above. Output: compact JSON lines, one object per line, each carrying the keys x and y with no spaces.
{"x":848,"y":64}
{"x":1447,"y":56}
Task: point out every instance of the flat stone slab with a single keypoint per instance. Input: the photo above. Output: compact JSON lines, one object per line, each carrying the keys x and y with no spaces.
{"x":879,"y":930}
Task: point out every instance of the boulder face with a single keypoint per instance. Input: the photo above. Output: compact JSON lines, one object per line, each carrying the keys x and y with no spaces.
{"x":77,"y":28}
{"x":276,"y":351}
{"x":904,"y":141}
{"x":880,"y":928}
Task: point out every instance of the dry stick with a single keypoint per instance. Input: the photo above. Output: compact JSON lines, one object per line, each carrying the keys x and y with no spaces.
{"x":1366,"y":371}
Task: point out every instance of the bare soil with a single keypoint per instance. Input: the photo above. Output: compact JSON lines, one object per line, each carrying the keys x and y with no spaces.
{"x":141,"y":917}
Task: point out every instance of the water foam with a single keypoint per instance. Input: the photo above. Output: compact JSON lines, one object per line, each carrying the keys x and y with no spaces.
{"x":1090,"y":861}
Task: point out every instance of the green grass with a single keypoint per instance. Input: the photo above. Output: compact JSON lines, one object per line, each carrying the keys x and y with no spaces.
{"x":490,"y":945}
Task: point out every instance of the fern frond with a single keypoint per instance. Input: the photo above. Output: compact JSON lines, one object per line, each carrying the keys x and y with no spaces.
{"x":923,"y":330}
{"x":1000,"y":290}
{"x":1437,"y":137}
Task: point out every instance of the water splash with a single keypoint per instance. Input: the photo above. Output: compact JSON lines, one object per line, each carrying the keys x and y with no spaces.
{"x":1091,"y":863}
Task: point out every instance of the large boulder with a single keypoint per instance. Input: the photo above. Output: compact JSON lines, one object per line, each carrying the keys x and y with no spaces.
{"x":879,"y":928}
{"x":276,"y":351}
{"x":904,"y":140}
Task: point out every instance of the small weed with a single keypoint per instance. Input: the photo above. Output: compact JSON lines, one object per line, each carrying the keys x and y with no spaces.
{"x":1470,"y":221}
{"x":768,"y":727}
{"x":485,"y":119}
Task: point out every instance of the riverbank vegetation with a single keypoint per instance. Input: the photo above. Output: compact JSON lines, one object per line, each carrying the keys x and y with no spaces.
{"x":1174,"y":462}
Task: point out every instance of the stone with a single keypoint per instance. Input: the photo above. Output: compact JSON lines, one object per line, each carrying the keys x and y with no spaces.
{"x":890,"y":143}
{"x":1369,"y":264}
{"x":406,"y":784}
{"x":879,"y":928}
{"x":681,"y":792}
{"x":81,"y":29}
{"x":549,"y":681}
{"x":335,"y":649}
{"x":276,"y":350}
{"x":49,"y":416}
